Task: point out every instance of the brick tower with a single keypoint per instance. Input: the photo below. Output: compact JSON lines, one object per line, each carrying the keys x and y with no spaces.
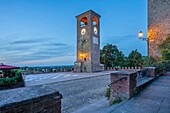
{"x":88,"y":42}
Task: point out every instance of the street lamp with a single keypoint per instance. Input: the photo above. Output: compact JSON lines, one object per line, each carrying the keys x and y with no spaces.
{"x":140,"y":35}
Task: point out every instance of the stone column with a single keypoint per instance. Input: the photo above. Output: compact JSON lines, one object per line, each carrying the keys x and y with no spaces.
{"x":122,"y":85}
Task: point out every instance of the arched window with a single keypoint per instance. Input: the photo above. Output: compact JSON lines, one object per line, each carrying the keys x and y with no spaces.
{"x":95,"y":21}
{"x":83,"y":22}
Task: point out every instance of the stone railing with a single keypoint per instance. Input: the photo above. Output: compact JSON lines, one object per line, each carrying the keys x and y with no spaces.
{"x":132,"y":69}
{"x":124,"y":83}
{"x":36,"y":99}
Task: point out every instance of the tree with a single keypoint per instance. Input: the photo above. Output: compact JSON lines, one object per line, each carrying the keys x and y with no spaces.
{"x":135,"y":59}
{"x":165,"y":49}
{"x":110,"y":56}
{"x":148,"y":61}
{"x":164,"y":63}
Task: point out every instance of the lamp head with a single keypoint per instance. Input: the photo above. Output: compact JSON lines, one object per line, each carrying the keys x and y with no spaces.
{"x":140,"y":34}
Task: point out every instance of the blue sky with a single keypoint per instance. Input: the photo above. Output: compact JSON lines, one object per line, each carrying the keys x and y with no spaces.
{"x":43,"y":32}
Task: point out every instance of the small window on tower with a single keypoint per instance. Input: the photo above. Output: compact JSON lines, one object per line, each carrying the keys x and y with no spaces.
{"x":95,"y":21}
{"x":83,"y":22}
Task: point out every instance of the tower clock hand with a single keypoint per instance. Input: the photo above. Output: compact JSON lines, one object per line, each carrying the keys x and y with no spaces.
{"x":83,"y":42}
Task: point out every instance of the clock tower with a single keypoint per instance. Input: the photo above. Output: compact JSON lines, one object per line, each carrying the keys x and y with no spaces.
{"x":88,"y":42}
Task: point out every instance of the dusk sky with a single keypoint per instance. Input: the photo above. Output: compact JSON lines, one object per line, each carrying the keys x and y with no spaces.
{"x":43,"y":32}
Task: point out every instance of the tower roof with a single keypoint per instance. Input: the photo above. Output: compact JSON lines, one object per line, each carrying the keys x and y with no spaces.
{"x":89,"y":11}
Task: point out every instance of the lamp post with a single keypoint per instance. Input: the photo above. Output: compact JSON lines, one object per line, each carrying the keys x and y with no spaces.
{"x":140,"y":35}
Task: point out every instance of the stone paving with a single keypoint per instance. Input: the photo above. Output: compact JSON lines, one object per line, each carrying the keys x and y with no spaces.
{"x":153,"y":99}
{"x":48,"y":78}
{"x":81,"y":92}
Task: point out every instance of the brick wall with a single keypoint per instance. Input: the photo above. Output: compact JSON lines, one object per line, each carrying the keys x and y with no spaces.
{"x":158,"y":24}
{"x":124,"y":88}
{"x":124,"y":83}
{"x":30,"y":100}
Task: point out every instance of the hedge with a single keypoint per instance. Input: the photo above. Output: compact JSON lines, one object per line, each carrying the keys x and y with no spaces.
{"x":12,"y":81}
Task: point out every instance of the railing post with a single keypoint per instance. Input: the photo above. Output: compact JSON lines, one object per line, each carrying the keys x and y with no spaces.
{"x":123,"y":88}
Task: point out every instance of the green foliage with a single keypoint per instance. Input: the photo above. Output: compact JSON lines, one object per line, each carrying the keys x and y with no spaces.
{"x":148,"y":61}
{"x":165,"y":54}
{"x":136,"y":91}
{"x":135,"y":59}
{"x":12,"y":81}
{"x":107,"y":94}
{"x":166,"y":43}
{"x":110,"y":56}
{"x":164,"y":62}
{"x":165,"y":65}
{"x":117,"y":101}
{"x":7,"y":81}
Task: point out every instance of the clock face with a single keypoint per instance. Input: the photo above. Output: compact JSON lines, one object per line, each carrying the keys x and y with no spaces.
{"x":83,"y":31}
{"x":95,"y":30}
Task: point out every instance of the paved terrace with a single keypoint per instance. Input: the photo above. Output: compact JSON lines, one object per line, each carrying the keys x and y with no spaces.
{"x":153,"y":99}
{"x":48,"y":78}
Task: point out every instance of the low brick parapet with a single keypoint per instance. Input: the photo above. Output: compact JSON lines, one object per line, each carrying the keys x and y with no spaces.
{"x":35,"y":99}
{"x":122,"y":85}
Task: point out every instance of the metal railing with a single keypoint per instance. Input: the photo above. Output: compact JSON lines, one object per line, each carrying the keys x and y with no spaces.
{"x":125,"y":78}
{"x":141,"y":74}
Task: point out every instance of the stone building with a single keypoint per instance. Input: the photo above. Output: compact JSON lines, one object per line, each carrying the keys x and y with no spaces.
{"x":88,"y":42}
{"x":158,"y":24}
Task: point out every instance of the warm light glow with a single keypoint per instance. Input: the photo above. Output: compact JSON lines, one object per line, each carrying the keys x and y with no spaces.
{"x":140,"y":34}
{"x":81,"y":55}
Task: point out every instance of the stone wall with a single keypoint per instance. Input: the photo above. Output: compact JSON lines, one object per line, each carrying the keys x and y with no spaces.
{"x":36,"y":99}
{"x":158,"y":24}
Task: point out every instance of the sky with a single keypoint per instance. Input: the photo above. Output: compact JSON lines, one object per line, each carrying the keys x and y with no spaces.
{"x":43,"y":32}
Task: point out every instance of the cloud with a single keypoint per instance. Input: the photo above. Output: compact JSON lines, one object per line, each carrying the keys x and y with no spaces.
{"x":55,"y":44}
{"x":116,"y":39}
{"x":23,"y":53}
{"x":49,"y":61}
{"x":23,"y":42}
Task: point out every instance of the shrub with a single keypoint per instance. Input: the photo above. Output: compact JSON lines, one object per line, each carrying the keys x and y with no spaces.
{"x":7,"y":81}
{"x":18,"y":76}
{"x":165,"y":65}
{"x":107,"y":94}
{"x":117,"y":101}
{"x":12,"y":81}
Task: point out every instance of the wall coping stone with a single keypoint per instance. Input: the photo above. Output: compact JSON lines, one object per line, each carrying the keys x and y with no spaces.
{"x":25,"y":95}
{"x":122,"y":72}
{"x":149,"y":67}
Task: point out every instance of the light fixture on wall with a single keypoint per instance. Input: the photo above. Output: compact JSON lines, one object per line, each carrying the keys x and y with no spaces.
{"x":140,"y":35}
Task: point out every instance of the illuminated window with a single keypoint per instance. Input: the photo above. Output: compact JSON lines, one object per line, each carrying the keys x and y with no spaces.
{"x":83,"y":22}
{"x":95,"y":21}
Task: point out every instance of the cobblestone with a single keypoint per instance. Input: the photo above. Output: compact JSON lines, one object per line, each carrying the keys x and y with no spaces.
{"x":79,"y":93}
